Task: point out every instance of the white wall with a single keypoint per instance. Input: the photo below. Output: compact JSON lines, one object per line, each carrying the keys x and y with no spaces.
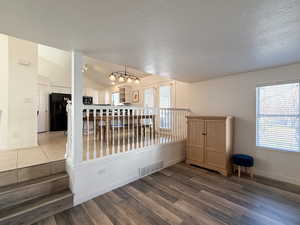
{"x":58,"y":75}
{"x":19,"y":91}
{"x":54,"y":68}
{"x":181,"y":95}
{"x":179,"y":91}
{"x":108,"y":173}
{"x":3,"y":90}
{"x":235,"y":95}
{"x":93,"y":89}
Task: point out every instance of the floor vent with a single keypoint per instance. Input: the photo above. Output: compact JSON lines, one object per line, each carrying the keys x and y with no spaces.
{"x":151,"y":168}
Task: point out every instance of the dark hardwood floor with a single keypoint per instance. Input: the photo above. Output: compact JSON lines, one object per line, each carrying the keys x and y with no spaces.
{"x":187,"y":195}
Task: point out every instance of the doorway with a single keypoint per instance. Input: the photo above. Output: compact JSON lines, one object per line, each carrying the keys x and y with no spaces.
{"x":43,"y":108}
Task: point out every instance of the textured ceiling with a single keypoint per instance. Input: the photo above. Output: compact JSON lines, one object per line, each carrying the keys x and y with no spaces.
{"x":189,"y":40}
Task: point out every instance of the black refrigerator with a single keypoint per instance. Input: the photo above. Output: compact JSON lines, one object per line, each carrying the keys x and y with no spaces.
{"x":58,"y":113}
{"x":58,"y":110}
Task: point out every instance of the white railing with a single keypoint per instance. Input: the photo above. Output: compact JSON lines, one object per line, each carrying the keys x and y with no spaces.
{"x":111,"y":130}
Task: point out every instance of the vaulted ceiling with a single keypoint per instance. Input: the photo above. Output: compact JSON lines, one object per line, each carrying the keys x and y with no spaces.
{"x":98,"y":70}
{"x":189,"y":40}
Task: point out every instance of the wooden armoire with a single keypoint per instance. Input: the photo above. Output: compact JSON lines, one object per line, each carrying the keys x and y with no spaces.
{"x":209,"y":142}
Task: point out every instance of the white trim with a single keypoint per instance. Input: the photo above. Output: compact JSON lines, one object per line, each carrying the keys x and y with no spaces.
{"x":258,"y":116}
{"x":276,"y":176}
{"x":131,"y":107}
{"x":76,"y":108}
{"x":277,"y":83}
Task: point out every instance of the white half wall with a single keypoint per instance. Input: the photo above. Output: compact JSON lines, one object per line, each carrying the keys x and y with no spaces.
{"x":235,"y":95}
{"x":96,"y":177}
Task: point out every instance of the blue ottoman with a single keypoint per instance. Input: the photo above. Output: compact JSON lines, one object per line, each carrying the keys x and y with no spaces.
{"x":245,"y":161}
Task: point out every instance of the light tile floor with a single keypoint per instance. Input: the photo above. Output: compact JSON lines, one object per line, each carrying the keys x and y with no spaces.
{"x":51,"y":147}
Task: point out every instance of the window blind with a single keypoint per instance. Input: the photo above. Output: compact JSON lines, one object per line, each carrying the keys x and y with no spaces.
{"x":165,"y":102}
{"x":149,"y":97}
{"x":278,"y":116}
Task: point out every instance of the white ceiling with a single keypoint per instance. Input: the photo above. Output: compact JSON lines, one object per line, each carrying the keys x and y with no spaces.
{"x":189,"y":40}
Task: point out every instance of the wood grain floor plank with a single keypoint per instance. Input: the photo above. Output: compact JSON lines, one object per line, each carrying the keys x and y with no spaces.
{"x":63,"y":218}
{"x":48,"y":221}
{"x":171,"y":207}
{"x":208,"y":207}
{"x":156,"y":208}
{"x":96,"y":214}
{"x":186,"y":195}
{"x":116,"y":216}
{"x":114,"y":197}
{"x":244,"y":210}
{"x":147,"y":213}
{"x":196,"y":213}
{"x":161,"y":193}
{"x":79,"y":216}
{"x":195,"y":200}
{"x":133,"y":214}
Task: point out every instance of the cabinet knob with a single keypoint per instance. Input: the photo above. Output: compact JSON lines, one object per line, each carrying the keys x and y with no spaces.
{"x":203,"y":133}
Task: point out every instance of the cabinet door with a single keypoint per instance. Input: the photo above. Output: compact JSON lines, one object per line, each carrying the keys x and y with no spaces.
{"x":195,"y":140}
{"x":215,"y":143}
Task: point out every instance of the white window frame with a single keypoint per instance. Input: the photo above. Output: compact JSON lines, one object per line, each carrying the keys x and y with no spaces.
{"x":153,"y":97}
{"x":112,"y":98}
{"x":163,"y":124}
{"x":257,"y":115}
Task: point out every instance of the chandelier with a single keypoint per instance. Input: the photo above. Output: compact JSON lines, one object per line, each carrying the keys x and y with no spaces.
{"x":84,"y":68}
{"x":123,"y":76}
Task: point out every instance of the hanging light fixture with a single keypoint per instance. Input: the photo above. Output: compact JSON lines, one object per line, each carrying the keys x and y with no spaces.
{"x":121,"y":79}
{"x":122,"y":76}
{"x":84,"y":68}
{"x":112,"y":77}
{"x":137,"y":81}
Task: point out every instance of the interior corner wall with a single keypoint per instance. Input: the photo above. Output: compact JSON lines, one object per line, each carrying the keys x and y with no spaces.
{"x":22,"y":94}
{"x":59,"y":75}
{"x":54,"y":69}
{"x":3,"y":91}
{"x":235,"y":95}
{"x":93,"y":89}
{"x":181,"y":95}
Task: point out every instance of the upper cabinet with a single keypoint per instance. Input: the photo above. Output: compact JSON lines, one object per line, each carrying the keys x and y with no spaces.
{"x":125,"y":94}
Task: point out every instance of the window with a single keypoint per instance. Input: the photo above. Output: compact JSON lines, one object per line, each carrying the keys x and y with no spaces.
{"x":115,"y":98}
{"x":149,"y":97}
{"x":165,"y":96}
{"x":277,"y":116}
{"x":148,"y":103}
{"x":165,"y":102}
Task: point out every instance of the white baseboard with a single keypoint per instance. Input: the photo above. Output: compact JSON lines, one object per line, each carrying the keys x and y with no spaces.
{"x":277,"y":177}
